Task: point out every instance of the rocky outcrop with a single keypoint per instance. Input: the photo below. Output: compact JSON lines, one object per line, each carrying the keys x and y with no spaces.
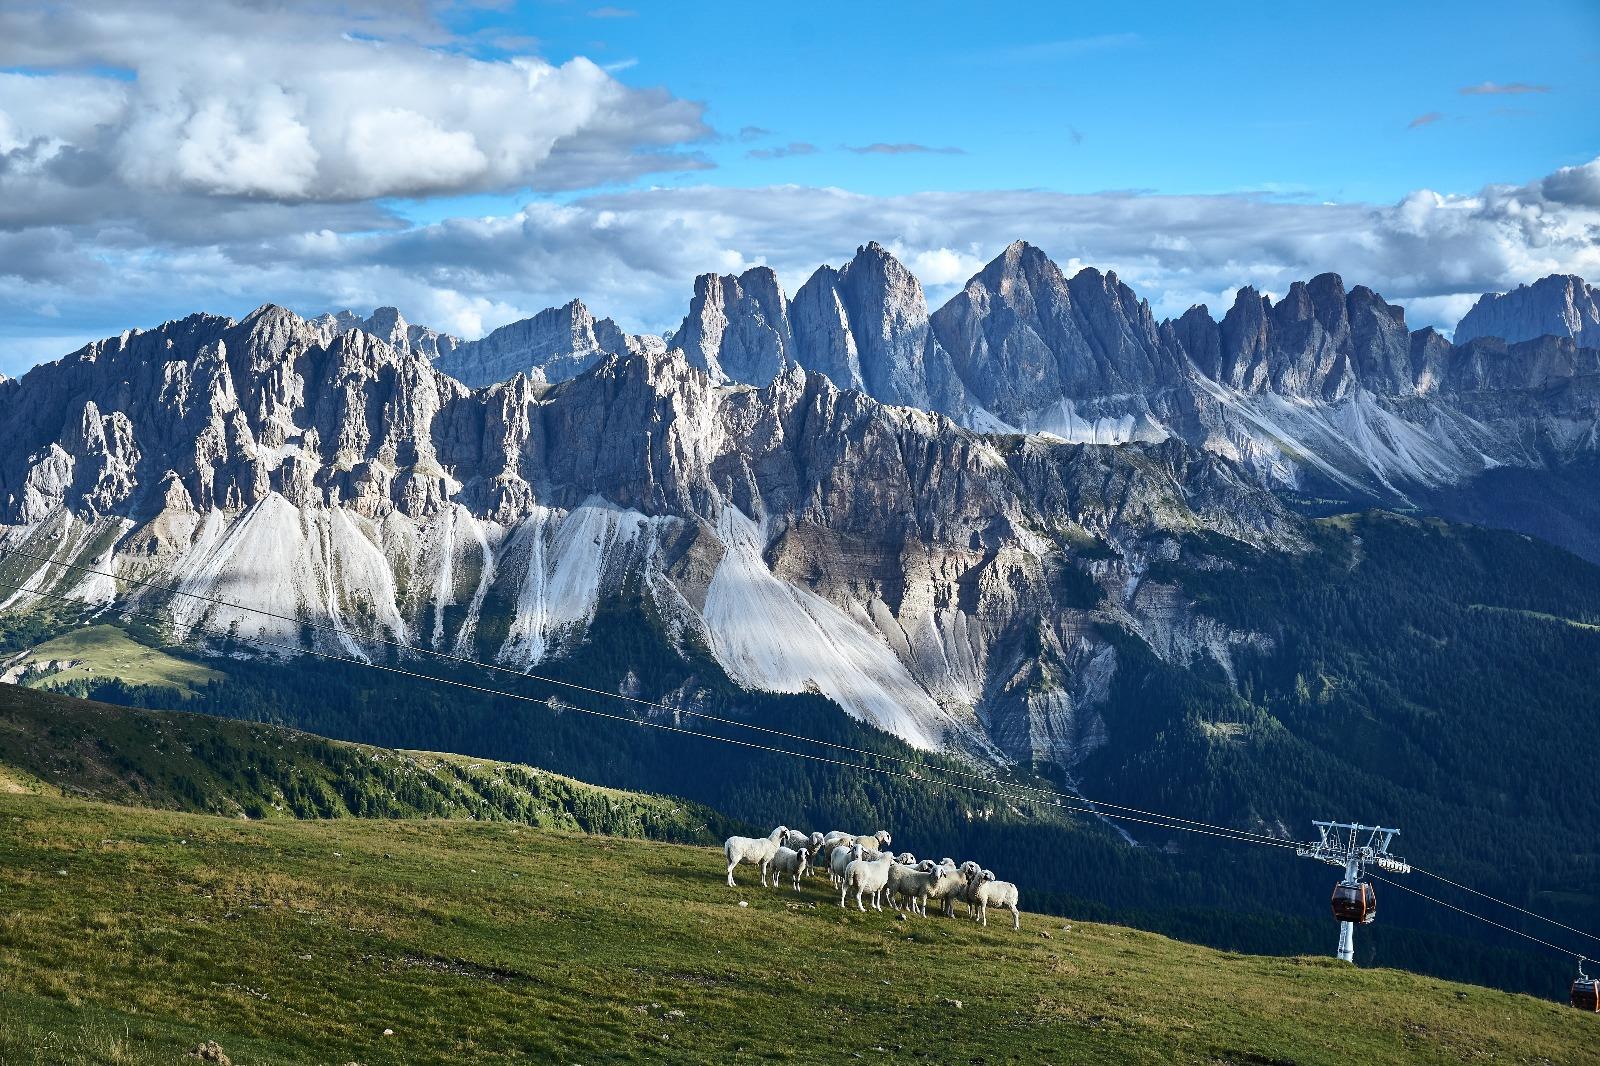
{"x":810,"y":536}
{"x":866,"y":327}
{"x":1561,"y":305}
{"x":389,"y":326}
{"x":556,"y":344}
{"x":1317,"y":343}
{"x":1080,"y":359}
{"x":737,"y":328}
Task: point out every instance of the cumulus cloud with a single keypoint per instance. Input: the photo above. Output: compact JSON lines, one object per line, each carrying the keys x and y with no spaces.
{"x":1574,"y":185}
{"x":633,"y":254}
{"x":1515,"y":88}
{"x":292,"y":103}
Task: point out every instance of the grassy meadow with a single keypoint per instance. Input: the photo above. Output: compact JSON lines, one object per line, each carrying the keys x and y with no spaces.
{"x":130,"y":935}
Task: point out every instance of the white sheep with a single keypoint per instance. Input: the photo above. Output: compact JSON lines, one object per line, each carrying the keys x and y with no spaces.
{"x":755,"y":850}
{"x":969,"y":870}
{"x":903,"y":861}
{"x":872,"y":841}
{"x":838,"y":859}
{"x":914,"y":884}
{"x":985,"y":891}
{"x":841,"y":856}
{"x":864,"y":876}
{"x":949,"y":885}
{"x":795,"y":839}
{"x":789,"y":861}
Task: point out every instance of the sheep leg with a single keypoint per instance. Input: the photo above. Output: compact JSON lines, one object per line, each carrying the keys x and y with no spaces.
{"x":859,"y":903}
{"x":1016,"y":919}
{"x":842,"y":890}
{"x":731,"y":865}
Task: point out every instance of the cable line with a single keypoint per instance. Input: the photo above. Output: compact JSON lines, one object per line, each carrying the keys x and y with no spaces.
{"x":1504,"y":903}
{"x":528,"y":675}
{"x":1473,"y":914}
{"x":351,"y":660}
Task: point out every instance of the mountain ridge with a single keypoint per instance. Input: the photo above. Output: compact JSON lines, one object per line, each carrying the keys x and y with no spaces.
{"x":1323,"y":390}
{"x":354,"y":484}
{"x":919,"y":546}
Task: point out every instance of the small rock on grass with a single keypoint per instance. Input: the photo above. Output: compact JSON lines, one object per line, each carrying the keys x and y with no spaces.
{"x":210,"y":1051}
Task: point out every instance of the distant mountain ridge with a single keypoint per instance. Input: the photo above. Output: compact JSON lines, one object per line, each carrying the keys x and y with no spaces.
{"x":1325,"y":390}
{"x":1561,"y":305}
{"x":910,"y":492}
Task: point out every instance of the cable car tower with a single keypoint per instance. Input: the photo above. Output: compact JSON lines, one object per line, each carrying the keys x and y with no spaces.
{"x":1354,"y":847}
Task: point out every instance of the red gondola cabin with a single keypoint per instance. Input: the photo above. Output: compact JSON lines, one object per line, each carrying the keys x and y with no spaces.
{"x":1586,"y":994}
{"x":1354,"y":901}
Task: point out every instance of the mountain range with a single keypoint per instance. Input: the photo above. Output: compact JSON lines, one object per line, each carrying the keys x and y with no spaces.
{"x":1323,"y":391}
{"x":948,"y":522}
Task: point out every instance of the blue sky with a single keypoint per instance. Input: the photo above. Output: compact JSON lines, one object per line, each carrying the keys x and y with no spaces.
{"x":1311,"y":101}
{"x":473,"y":163}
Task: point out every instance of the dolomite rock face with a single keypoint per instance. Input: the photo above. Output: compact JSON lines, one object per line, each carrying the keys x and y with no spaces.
{"x":1560,"y":305}
{"x":1322,"y":391}
{"x":934,"y":520}
{"x":556,"y":344}
{"x":811,"y":537}
{"x":737,"y":328}
{"x":866,"y":327}
{"x":389,"y":326}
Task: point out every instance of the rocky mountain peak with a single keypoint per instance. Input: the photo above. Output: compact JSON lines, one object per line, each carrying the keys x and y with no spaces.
{"x":1560,"y":305}
{"x":737,"y":327}
{"x":389,"y":326}
{"x":556,"y":344}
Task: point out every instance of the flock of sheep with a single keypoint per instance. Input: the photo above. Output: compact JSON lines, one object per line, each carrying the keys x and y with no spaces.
{"x":865,"y":865}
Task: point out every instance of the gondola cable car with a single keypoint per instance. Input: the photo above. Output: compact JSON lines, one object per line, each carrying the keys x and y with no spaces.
{"x":1586,"y":991}
{"x":1355,"y":901}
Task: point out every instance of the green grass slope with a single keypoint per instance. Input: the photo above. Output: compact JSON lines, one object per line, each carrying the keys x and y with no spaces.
{"x":193,"y":762}
{"x":130,"y":936}
{"x":99,"y":653}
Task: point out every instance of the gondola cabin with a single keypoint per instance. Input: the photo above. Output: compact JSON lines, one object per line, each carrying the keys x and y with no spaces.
{"x":1586,"y":994}
{"x":1354,"y":901}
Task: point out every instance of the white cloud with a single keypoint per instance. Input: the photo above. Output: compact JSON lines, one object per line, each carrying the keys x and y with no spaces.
{"x":228,"y":102}
{"x":634,"y":254}
{"x":1574,"y":185}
